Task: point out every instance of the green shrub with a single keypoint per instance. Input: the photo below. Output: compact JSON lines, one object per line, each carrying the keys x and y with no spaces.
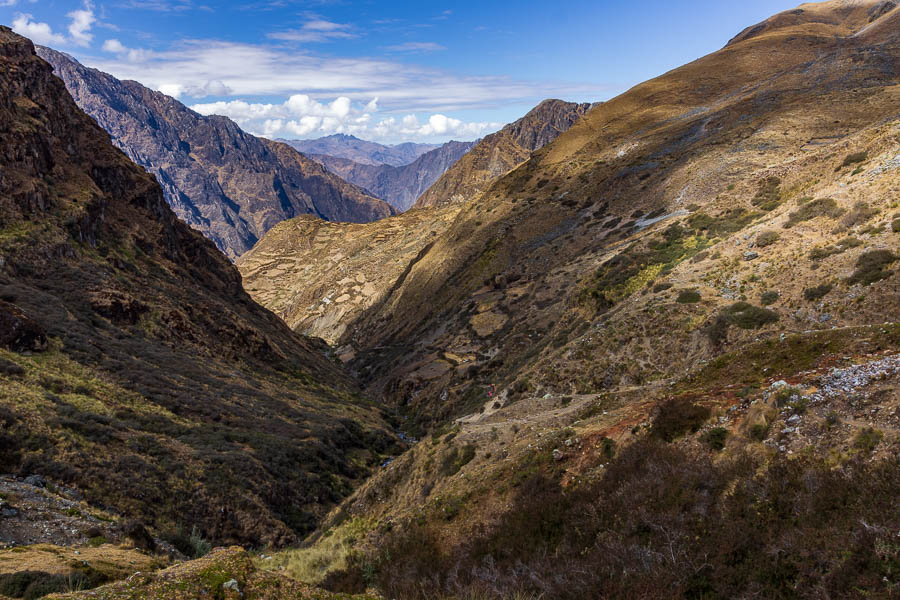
{"x":768,"y":196}
{"x":97,"y":541}
{"x":870,"y":267}
{"x":747,"y":316}
{"x":608,"y":447}
{"x":715,"y":438}
{"x":849,"y":242}
{"x":855,"y":158}
{"x":822,"y":207}
{"x":677,"y":417}
{"x":769,"y":298}
{"x":895,"y":226}
{"x":823,"y":252}
{"x":456,"y":459}
{"x":759,"y":432}
{"x":767,"y":238}
{"x":867,"y":440}
{"x":688,"y":297}
{"x":816,"y":293}
{"x":860,"y":213}
{"x":661,"y":287}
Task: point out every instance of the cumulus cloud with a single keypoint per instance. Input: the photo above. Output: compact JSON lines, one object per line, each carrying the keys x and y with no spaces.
{"x":80,"y":23}
{"x":302,"y":116}
{"x":37,"y":32}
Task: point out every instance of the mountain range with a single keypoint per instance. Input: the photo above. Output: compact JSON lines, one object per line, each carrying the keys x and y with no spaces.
{"x":229,"y":185}
{"x":646,"y":348}
{"x":363,"y":152}
{"x":399,"y":186}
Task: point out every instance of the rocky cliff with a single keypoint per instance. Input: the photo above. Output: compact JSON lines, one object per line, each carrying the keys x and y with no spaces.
{"x":399,"y":186}
{"x":224,"y":182}
{"x":500,"y":152}
{"x":133,"y":366}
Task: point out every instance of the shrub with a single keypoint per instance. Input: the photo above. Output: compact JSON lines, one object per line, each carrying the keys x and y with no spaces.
{"x":768,"y":196}
{"x":715,"y":438}
{"x":853,"y":159}
{"x":823,"y":252}
{"x":867,"y":440}
{"x":607,"y":447}
{"x":747,"y":316}
{"x":860,"y":213}
{"x":895,"y":226}
{"x":661,"y":287}
{"x":769,"y":298}
{"x":815,"y":293}
{"x":677,"y":417}
{"x":456,"y":459}
{"x":139,"y":535}
{"x":688,"y":297}
{"x":767,"y":238}
{"x":759,"y":432}
{"x":822,"y":207}
{"x":870,"y":267}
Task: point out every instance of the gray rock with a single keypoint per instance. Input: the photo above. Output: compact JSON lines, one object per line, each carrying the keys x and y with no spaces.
{"x":751,"y":255}
{"x":36,"y":481}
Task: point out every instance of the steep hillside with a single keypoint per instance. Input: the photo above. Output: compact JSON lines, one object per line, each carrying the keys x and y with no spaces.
{"x":501,"y":152}
{"x":769,"y":164}
{"x":363,"y":152}
{"x":227,"y":184}
{"x":133,"y":366}
{"x":320,"y":276}
{"x":661,"y":358}
{"x":398,"y":186}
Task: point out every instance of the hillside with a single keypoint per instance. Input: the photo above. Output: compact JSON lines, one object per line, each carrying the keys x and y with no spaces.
{"x":220,"y":180}
{"x":660,"y":358}
{"x":398,"y":186}
{"x":320,"y":276}
{"x":500,"y":152}
{"x":133,"y":366}
{"x":362,"y":152}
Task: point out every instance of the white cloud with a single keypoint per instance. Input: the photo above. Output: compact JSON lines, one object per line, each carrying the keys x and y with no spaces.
{"x":39,"y":33}
{"x":81,"y":22}
{"x":416,"y":47}
{"x":80,"y":27}
{"x":301,"y":116}
{"x":315,"y":30}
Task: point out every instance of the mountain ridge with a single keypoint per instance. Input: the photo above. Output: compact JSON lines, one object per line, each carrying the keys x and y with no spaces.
{"x":219,"y":179}
{"x":362,"y":151}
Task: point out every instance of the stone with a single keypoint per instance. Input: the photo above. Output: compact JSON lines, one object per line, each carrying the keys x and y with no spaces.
{"x":36,"y":481}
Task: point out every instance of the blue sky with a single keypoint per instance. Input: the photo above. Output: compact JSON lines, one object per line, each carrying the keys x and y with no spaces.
{"x":382,"y":70}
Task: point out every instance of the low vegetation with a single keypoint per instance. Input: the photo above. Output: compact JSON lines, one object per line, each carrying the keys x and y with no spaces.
{"x":822,"y":207}
{"x":872,"y":267}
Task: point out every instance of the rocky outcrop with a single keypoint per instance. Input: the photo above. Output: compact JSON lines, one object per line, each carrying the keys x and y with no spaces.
{"x":163,"y":391}
{"x":362,"y":152}
{"x":399,"y":186}
{"x":222,"y":181}
{"x":500,"y":152}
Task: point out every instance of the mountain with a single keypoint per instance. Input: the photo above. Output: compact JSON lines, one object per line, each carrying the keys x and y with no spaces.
{"x":398,"y":186}
{"x":501,"y":152}
{"x":135,"y":372}
{"x":660,"y":358}
{"x":361,"y":151}
{"x":224,"y":182}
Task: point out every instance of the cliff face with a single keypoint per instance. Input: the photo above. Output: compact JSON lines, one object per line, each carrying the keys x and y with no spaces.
{"x":500,"y":152}
{"x":399,"y":186}
{"x":132,"y":364}
{"x":226,"y":183}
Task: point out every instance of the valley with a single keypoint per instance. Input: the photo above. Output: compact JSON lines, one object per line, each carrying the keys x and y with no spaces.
{"x":640,"y":348}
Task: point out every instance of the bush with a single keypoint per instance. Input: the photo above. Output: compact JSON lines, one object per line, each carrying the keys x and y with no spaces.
{"x":688,"y":297}
{"x":768,"y":196}
{"x":759,"y":432}
{"x":853,"y":159}
{"x":867,"y":440}
{"x":816,"y":293}
{"x":767,"y":238}
{"x":769,"y":298}
{"x":456,"y":459}
{"x":608,"y":447}
{"x":661,"y":287}
{"x":824,"y":252}
{"x":747,"y":316}
{"x":823,"y":207}
{"x":860,"y":213}
{"x":870,"y":267}
{"x":895,"y":226}
{"x":677,"y":417}
{"x":715,"y":438}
